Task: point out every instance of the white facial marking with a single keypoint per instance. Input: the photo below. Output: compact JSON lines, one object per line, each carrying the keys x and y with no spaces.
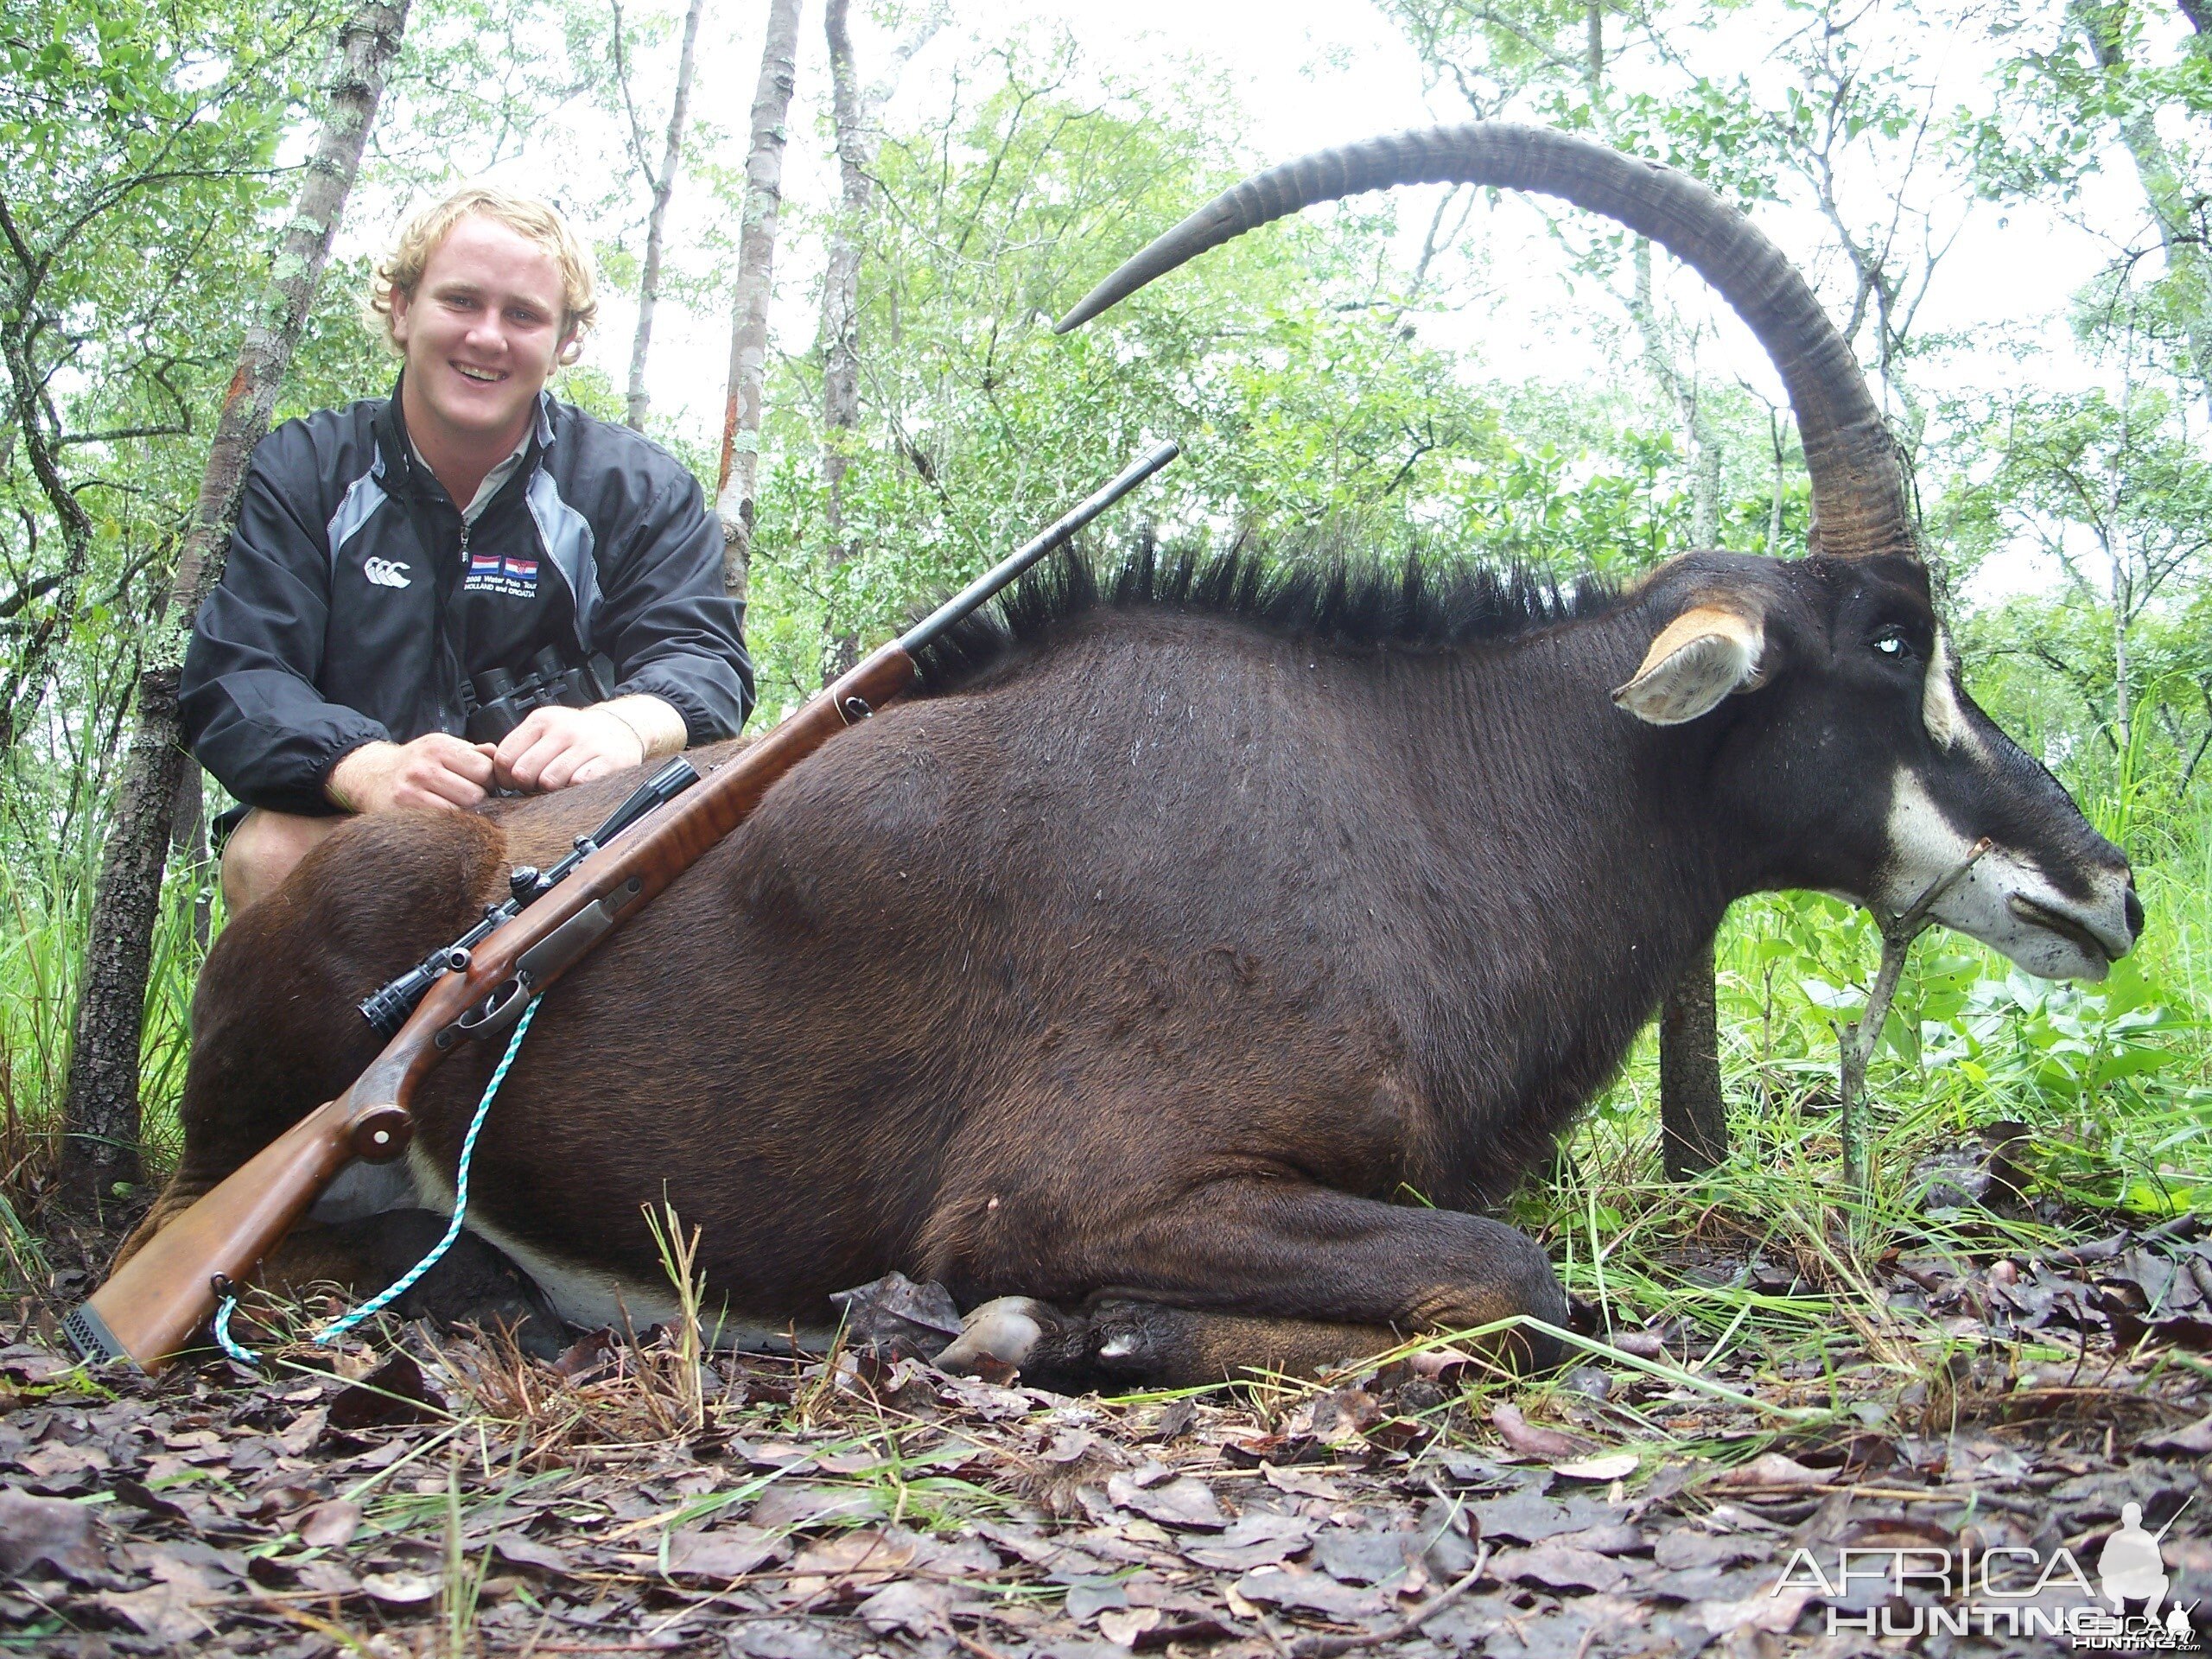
{"x":1986,"y":902}
{"x":1939,"y":709}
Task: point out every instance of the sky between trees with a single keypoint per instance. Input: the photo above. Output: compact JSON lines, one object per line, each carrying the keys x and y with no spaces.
{"x":1300,"y":74}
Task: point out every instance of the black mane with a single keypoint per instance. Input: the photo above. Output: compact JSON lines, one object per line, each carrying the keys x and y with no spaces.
{"x":1336,"y":599}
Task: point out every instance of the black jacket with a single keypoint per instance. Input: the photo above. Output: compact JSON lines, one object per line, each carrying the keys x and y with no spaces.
{"x":354,"y":600}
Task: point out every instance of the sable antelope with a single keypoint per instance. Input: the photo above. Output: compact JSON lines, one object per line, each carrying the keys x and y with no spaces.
{"x":1193,"y":914}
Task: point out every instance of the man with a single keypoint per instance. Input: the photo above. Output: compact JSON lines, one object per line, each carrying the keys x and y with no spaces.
{"x":388,"y":552}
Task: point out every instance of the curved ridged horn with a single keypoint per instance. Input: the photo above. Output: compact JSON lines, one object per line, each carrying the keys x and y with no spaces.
{"x":1860,"y":501}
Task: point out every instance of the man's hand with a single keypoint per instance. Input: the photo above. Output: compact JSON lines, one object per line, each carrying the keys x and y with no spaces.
{"x":556,"y":747}
{"x":435,"y":770}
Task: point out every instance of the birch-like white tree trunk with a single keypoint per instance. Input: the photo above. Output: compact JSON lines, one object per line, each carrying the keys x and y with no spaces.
{"x":663,"y":189}
{"x":854,"y":111}
{"x":737,"y":478}
{"x":2165,"y":192}
{"x":101,"y":1116}
{"x":841,"y":301}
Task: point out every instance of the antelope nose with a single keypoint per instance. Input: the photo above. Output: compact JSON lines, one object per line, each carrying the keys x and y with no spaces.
{"x":2133,"y":910}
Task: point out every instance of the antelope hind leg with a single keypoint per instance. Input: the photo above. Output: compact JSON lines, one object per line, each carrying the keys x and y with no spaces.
{"x":1253,"y":1276}
{"x":1114,"y":1341}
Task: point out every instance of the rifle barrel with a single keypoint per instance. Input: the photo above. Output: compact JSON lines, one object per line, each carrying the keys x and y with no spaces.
{"x":1053,"y":536}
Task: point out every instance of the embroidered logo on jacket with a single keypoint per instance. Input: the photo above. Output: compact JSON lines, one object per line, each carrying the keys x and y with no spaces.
{"x":508,"y":575}
{"x":385,"y":572}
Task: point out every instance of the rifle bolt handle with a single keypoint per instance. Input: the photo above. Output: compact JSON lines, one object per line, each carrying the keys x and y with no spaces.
{"x":457,"y":959}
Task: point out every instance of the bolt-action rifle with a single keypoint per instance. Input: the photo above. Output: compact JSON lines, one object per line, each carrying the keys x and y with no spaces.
{"x":149,"y":1310}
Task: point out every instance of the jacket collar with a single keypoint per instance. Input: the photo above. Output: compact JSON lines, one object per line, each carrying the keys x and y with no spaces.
{"x":396,"y":465}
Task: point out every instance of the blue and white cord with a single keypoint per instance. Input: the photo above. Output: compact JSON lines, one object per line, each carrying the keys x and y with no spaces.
{"x":406,"y":1282}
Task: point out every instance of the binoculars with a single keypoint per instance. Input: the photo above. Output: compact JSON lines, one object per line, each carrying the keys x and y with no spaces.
{"x":502,"y":698}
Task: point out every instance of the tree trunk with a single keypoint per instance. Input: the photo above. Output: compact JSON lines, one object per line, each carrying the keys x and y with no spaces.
{"x":1692,"y":1121}
{"x":736,"y":479}
{"x":2164,"y":190}
{"x":1694,"y":1129}
{"x":35,"y":666}
{"x":841,"y":301}
{"x":664,"y":185}
{"x":101,"y":1120}
{"x":841,"y":295}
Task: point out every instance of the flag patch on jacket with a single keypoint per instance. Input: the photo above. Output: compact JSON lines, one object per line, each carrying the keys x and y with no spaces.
{"x":507,"y":574}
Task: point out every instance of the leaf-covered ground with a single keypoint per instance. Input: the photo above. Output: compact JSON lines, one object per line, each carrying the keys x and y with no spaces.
{"x":427,"y":1494}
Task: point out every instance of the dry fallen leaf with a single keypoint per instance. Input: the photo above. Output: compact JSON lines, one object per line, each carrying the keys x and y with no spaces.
{"x":1123,"y":1625}
{"x":1183,"y":1501}
{"x":163,"y":1611}
{"x":392,"y":1394}
{"x":1613,"y":1465}
{"x":49,"y":1529}
{"x":517,"y":1550}
{"x":399,"y":1589}
{"x":2194,"y":1441}
{"x":1774,"y":1613}
{"x":922,"y":1610}
{"x":1309,"y":1591}
{"x":328,"y":1526}
{"x":1686,"y":1547}
{"x":1771,"y":1471}
{"x":894,"y":1319}
{"x":1529,"y":1439}
{"x":1255,"y":1539}
{"x":1560,"y":1566}
{"x":1305,"y":1482}
{"x":724,"y":1554}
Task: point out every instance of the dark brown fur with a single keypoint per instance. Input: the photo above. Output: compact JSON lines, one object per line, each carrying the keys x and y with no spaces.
{"x":1167,"y":948}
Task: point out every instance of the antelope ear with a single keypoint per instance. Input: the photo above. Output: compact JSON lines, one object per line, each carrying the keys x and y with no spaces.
{"x":1699,"y":658}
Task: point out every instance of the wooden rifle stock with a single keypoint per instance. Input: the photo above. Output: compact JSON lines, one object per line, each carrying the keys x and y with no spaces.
{"x":148,"y":1312}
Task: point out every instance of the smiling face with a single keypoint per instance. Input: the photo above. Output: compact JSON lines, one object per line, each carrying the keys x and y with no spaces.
{"x":481,"y":332}
{"x":1848,"y":758}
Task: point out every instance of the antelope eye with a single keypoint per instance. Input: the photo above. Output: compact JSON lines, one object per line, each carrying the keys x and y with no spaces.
{"x":1890,"y":642}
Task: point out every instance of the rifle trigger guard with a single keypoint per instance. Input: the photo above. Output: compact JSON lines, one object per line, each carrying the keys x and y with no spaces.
{"x":493,"y":1014}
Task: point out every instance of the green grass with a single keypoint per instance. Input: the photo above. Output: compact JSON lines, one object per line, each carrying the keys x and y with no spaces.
{"x":2113,"y":1083}
{"x":45,"y":915}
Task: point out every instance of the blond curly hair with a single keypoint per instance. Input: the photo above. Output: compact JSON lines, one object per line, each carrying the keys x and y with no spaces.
{"x":401,"y":270}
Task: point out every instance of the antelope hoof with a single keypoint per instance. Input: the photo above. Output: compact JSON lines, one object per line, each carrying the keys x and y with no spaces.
{"x":1047,"y":1348}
